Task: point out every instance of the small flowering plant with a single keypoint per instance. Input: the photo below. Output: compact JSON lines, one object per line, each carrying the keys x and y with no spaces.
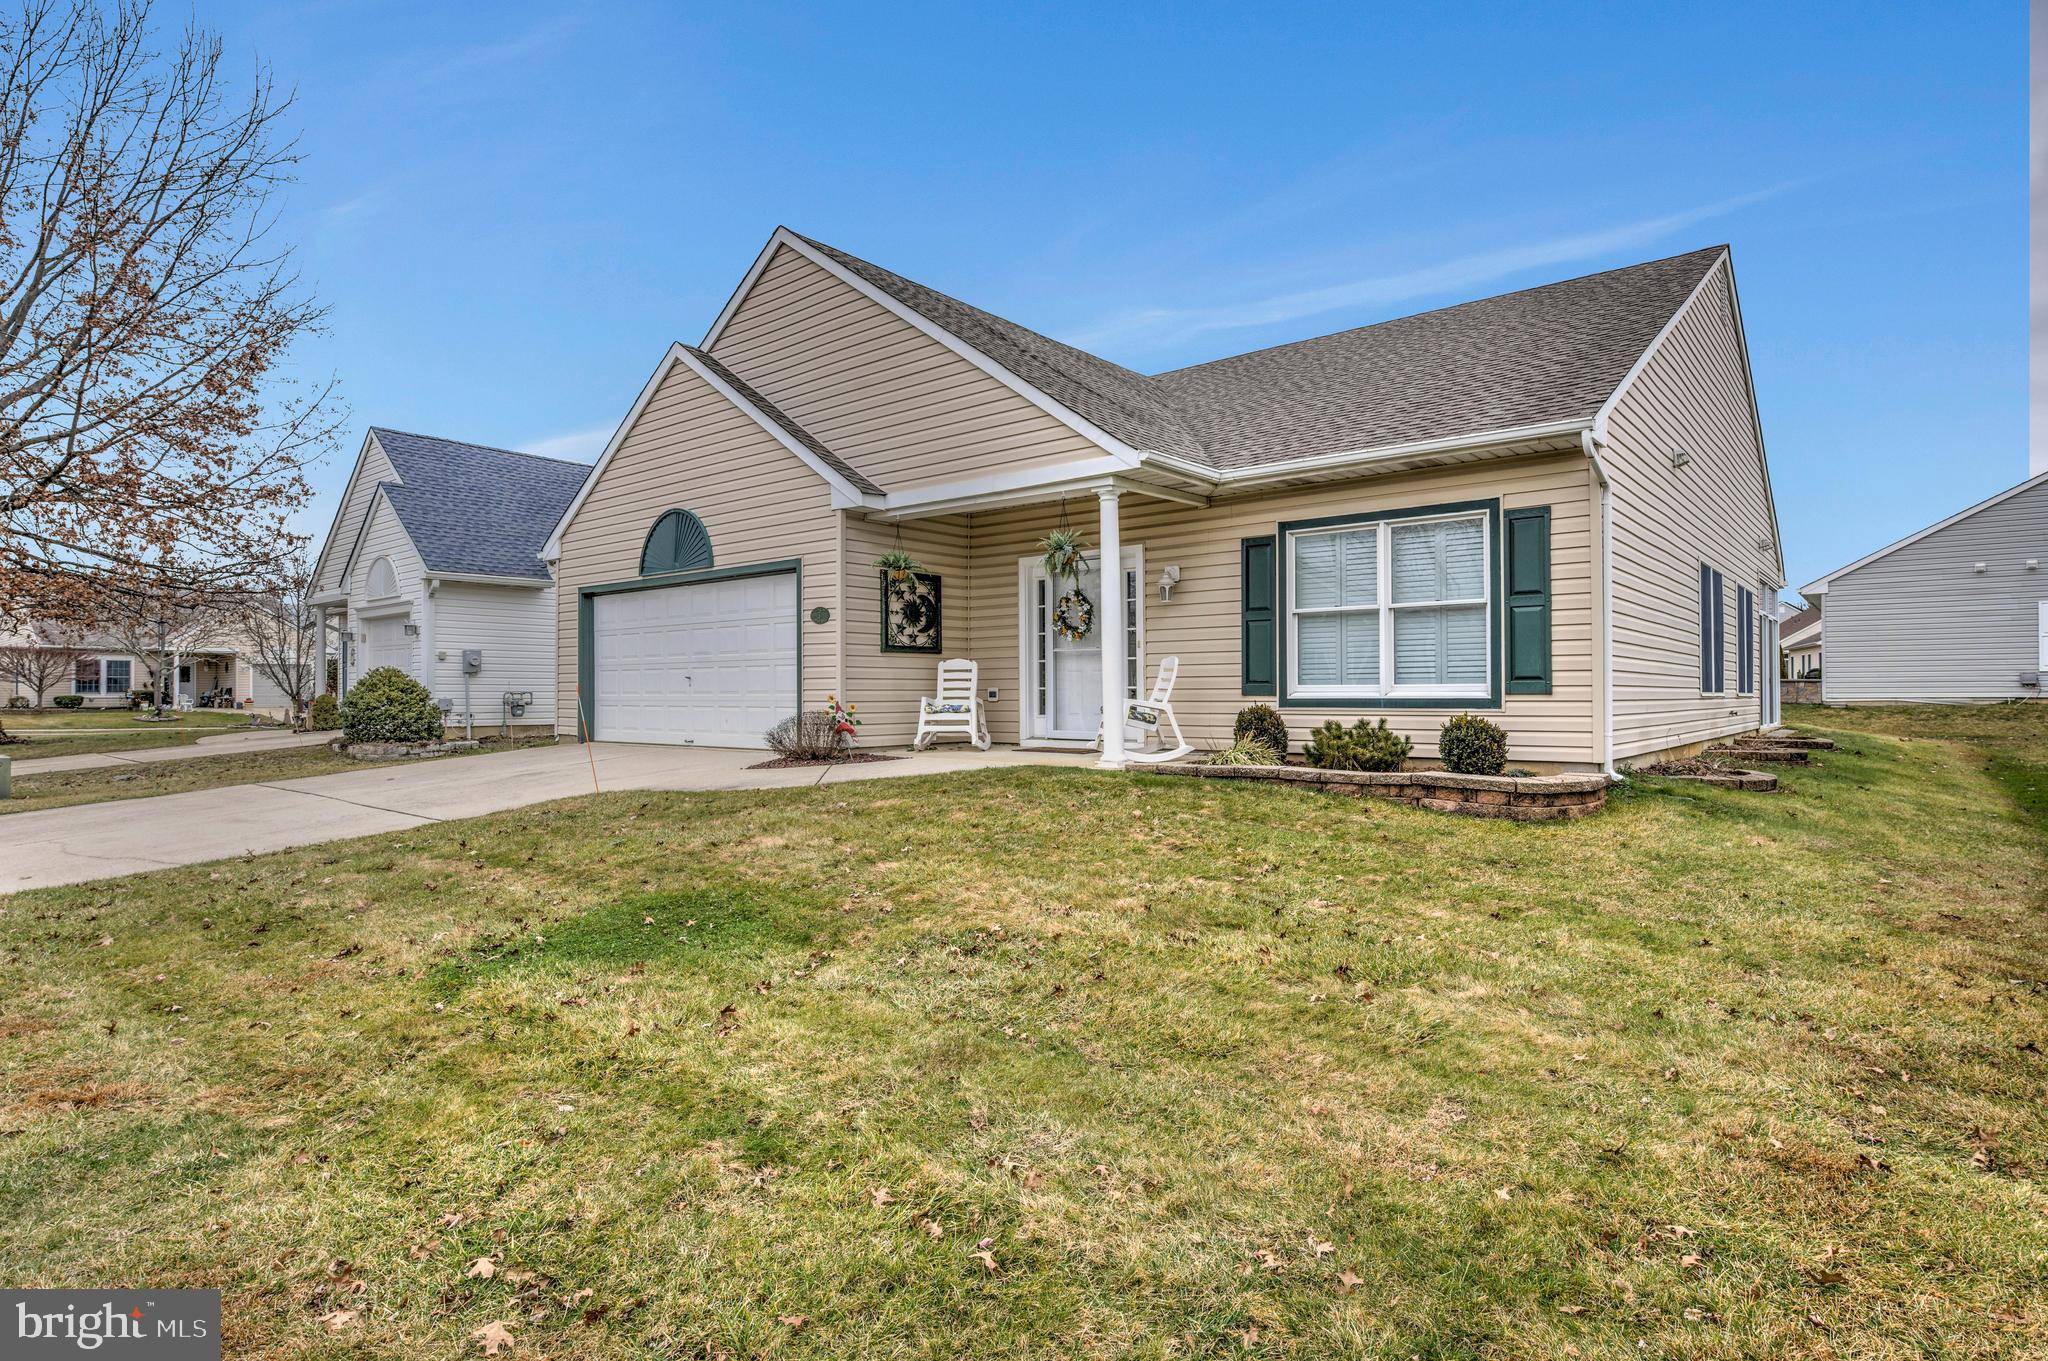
{"x":843,"y":715}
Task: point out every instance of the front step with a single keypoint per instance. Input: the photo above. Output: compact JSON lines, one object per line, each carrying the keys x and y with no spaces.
{"x":1792,"y":740}
{"x":1790,"y":756}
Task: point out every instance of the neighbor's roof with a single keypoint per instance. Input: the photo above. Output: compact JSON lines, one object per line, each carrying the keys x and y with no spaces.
{"x":1789,"y":631}
{"x":1554,"y":353}
{"x":474,"y":510}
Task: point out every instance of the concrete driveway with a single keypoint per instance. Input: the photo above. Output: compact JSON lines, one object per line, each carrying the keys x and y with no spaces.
{"x":221,"y":744}
{"x":103,"y":840}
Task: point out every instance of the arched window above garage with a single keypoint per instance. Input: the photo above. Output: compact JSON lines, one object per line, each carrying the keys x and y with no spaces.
{"x":383,"y":580}
{"x":677,"y":543}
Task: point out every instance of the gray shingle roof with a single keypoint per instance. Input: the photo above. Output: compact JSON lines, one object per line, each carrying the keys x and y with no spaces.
{"x":1551,"y":353}
{"x":789,"y":427}
{"x":476,"y":510}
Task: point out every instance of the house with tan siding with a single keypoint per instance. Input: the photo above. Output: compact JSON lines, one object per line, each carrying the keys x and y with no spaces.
{"x":1550,"y":508}
{"x":432,"y":565}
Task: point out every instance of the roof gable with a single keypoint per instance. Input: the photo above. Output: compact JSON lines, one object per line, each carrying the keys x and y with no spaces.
{"x":471,"y":510}
{"x":1820,"y":586}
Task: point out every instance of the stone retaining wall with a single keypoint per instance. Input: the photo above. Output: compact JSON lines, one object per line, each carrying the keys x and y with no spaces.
{"x":1523,"y":798}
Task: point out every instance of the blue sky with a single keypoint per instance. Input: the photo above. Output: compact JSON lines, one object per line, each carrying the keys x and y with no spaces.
{"x":513,"y":209}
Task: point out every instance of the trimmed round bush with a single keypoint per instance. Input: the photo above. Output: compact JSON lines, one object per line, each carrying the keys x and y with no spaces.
{"x":324,"y":715}
{"x":68,"y":701}
{"x":389,"y":706}
{"x":1472,"y":746}
{"x":1363,"y":746}
{"x":1261,"y":723}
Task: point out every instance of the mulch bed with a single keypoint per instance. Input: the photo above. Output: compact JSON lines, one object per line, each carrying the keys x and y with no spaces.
{"x":855,"y":758}
{"x":1688,"y":766}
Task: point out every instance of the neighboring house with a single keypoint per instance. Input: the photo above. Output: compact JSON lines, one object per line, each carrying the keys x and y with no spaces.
{"x":212,"y":665}
{"x":1957,"y":612}
{"x":434,"y":557}
{"x":1799,"y":644}
{"x":1550,"y":508}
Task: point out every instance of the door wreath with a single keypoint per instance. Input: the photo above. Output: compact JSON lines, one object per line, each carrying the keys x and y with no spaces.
{"x":1073,"y":615}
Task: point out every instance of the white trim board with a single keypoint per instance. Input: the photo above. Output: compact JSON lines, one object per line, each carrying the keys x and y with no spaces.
{"x":1820,"y":586}
{"x":348,"y":489}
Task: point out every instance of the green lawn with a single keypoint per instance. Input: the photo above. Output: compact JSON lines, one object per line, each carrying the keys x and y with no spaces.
{"x":57,"y":733}
{"x":1041,"y":1062}
{"x":65,"y":788}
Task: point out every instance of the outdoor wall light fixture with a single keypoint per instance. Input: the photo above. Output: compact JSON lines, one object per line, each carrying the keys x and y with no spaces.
{"x":412,"y":630}
{"x":1168,"y":579}
{"x":1680,"y":457}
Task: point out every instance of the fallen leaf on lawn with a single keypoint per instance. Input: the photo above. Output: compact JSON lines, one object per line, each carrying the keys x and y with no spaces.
{"x":1349,"y":1280}
{"x":880,"y":1195}
{"x":520,"y":1276}
{"x":1691,"y":1259}
{"x":1571,"y":1308}
{"x":793,"y":1321}
{"x":483,"y":1268}
{"x":1503,"y":1193}
{"x":1825,"y":1276}
{"x":931,"y":1228}
{"x":493,"y":1337}
{"x":1320,"y":1250}
{"x":338,"y":1320}
{"x":987,"y":1260}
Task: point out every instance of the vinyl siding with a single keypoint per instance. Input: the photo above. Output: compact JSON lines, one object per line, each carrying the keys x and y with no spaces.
{"x":1693,"y":396}
{"x":515,"y":628}
{"x":1922,"y":624}
{"x":895,"y":403}
{"x":384,"y":536}
{"x":1201,"y":623}
{"x":888,"y":685}
{"x":373,"y":468}
{"x":760,"y":503}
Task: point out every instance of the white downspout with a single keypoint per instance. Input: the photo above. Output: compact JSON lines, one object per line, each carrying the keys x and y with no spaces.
{"x":1591,"y":443}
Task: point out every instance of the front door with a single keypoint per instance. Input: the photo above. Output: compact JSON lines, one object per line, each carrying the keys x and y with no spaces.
{"x":1064,"y":675}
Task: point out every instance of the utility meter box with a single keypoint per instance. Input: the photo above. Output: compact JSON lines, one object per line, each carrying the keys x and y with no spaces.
{"x":472,"y":661}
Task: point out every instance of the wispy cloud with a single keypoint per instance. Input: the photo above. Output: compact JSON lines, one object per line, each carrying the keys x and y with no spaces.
{"x":1143,"y":326}
{"x":580,"y":445}
{"x":474,"y":58}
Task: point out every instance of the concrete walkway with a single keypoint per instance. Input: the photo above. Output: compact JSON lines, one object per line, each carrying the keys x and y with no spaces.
{"x":102,"y":840}
{"x":223,"y":744}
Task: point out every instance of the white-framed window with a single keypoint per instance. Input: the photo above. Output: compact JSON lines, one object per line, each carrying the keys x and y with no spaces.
{"x":1394,"y":608}
{"x":383,"y":579}
{"x":102,"y":676}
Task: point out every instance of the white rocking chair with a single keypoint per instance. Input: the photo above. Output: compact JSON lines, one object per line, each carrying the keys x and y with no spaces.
{"x":957,"y":708}
{"x":1148,"y":715}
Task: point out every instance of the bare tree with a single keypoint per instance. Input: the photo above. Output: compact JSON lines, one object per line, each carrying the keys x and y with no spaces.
{"x":157,"y":628}
{"x":38,"y":666}
{"x":146,"y":443}
{"x":281,"y":633}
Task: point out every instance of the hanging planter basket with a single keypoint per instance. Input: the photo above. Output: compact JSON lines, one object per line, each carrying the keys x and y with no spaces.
{"x":1065,"y":555}
{"x":900,"y":565}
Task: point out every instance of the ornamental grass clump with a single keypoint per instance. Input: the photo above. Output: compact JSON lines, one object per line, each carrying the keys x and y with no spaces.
{"x":389,"y":706}
{"x":814,"y":735}
{"x":1245,"y":751}
{"x":1472,"y":746}
{"x":1262,"y":723}
{"x":1363,"y":746}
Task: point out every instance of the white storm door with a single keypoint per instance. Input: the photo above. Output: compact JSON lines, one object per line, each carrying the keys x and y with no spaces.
{"x":1065,"y":699}
{"x":712,"y":664}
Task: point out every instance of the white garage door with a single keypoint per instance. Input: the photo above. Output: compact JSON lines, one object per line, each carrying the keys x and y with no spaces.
{"x":713,"y":665}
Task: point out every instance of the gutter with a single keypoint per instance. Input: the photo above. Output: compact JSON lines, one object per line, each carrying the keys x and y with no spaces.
{"x":1591,"y":440}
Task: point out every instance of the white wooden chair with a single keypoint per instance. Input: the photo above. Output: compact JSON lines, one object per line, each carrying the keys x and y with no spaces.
{"x":1152,"y":719}
{"x":956,"y":710}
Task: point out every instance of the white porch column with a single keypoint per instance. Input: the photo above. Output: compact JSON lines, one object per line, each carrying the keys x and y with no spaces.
{"x":1109,"y":627}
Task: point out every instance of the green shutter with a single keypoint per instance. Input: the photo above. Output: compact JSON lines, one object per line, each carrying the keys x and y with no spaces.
{"x":1527,"y":556}
{"x":1257,"y":583}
